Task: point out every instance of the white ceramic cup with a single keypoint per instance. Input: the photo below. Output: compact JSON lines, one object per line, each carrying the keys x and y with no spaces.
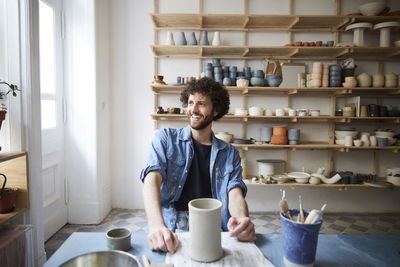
{"x":269,"y":112}
{"x":357,"y":142}
{"x":372,"y":140}
{"x":348,"y":140}
{"x":279,"y":112}
{"x":205,"y":229}
{"x":292,"y":112}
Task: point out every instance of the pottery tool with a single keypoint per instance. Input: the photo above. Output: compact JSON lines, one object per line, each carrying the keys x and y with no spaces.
{"x":319,"y":215}
{"x":284,"y":206}
{"x":147,"y":263}
{"x":300,"y":218}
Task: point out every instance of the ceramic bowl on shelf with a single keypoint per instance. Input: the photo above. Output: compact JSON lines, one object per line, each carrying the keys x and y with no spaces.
{"x":339,"y":142}
{"x":386,"y":134}
{"x":300,"y":177}
{"x":372,"y":9}
{"x":241,"y":112}
{"x":256,"y":111}
{"x":225,"y":136}
{"x":282,"y":178}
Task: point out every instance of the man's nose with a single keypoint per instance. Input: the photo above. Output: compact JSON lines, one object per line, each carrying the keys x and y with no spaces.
{"x":195,"y":108}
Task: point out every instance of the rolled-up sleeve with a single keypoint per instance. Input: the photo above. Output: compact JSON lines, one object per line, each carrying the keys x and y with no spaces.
{"x":156,"y":160}
{"x":236,"y":177}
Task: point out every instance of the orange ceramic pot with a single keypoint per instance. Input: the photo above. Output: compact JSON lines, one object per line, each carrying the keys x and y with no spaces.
{"x":279,"y":130}
{"x":7,"y":200}
{"x":279,"y":140}
{"x":279,"y":136}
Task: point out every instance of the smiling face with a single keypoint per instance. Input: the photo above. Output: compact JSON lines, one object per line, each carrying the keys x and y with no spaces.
{"x":200,"y":111}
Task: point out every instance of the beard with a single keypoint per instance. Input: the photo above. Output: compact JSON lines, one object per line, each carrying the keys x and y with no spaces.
{"x":201,"y":124}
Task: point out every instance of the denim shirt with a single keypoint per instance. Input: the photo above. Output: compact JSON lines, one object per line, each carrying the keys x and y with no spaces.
{"x":171,"y":154}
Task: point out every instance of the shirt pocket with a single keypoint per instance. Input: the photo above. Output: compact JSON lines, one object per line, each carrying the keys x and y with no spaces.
{"x":223,"y":173}
{"x":175,"y":171}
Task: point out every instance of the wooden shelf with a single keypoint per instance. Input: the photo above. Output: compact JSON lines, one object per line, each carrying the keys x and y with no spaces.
{"x":315,"y":146}
{"x":340,"y":187}
{"x":276,"y":52}
{"x":287,"y":91}
{"x":248,"y":118}
{"x":14,"y":166}
{"x":240,"y":22}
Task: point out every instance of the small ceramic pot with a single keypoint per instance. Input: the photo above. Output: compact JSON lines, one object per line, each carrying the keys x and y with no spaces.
{"x":315,"y":112}
{"x":233,"y":69}
{"x":348,"y":140}
{"x":242,"y":83}
{"x":357,"y":142}
{"x":373,"y":110}
{"x":257,"y":81}
{"x":273,"y":80}
{"x":279,"y":112}
{"x":241,"y":112}
{"x":292,"y":112}
{"x":119,"y":239}
{"x":372,"y":140}
{"x":259,"y":73}
{"x":216,"y":62}
{"x":256,"y":111}
{"x":363,"y":111}
{"x":269,"y":112}
{"x":216,"y":40}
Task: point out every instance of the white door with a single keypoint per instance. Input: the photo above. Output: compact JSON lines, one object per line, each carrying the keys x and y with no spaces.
{"x":52,"y":110}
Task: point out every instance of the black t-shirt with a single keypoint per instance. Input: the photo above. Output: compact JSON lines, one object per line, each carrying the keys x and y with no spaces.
{"x":198,"y":184}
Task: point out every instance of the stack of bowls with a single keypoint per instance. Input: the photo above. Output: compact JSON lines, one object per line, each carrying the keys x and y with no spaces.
{"x":335,"y":76}
{"x":350,"y":82}
{"x":342,"y":132}
{"x":293,"y":136}
{"x":216,"y":62}
{"x":224,"y":136}
{"x":378,"y":80}
{"x":317,"y":74}
{"x":208,"y":70}
{"x":233,"y":74}
{"x":247,"y":72}
{"x":364,"y":80}
{"x":325,"y":75}
{"x":258,"y":78}
{"x":241,"y":112}
{"x":393,"y":176}
{"x":391,"y":80}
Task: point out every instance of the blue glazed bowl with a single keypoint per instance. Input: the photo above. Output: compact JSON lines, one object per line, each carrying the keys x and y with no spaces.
{"x":242,"y":77}
{"x":233,"y":69}
{"x":273,"y":80}
{"x":335,"y":67}
{"x":257,"y":81}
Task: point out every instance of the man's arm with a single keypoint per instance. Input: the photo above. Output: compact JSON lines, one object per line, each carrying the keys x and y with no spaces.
{"x":239,"y":224}
{"x":160,"y":237}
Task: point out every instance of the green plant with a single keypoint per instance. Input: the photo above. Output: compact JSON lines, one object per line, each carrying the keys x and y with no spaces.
{"x":12,"y":89}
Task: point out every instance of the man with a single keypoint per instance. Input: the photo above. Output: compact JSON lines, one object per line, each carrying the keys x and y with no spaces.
{"x":189,"y":163}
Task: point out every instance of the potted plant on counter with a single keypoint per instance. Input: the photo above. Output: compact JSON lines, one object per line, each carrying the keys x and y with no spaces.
{"x":12,"y":88}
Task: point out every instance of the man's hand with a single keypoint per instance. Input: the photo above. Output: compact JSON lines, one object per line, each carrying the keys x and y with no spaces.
{"x":242,"y":228}
{"x":161,"y":238}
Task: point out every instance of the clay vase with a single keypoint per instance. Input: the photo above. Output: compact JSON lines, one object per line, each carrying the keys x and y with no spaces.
{"x":182,"y":39}
{"x":205,"y":229}
{"x":170,"y":39}
{"x":204,"y":38}
{"x":216,"y":40}
{"x":279,"y":136}
{"x":192,"y":39}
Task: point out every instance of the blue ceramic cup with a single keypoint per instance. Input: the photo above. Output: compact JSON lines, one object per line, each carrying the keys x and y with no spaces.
{"x":299,"y":240}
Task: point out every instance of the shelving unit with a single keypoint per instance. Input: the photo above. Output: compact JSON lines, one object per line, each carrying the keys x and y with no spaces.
{"x":247,"y":23}
{"x":14,"y":166}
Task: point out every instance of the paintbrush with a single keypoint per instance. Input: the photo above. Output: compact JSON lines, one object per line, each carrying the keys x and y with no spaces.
{"x":300,"y":218}
{"x":284,"y":206}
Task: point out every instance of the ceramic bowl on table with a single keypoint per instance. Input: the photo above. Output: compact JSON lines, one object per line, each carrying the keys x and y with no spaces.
{"x":111,"y":258}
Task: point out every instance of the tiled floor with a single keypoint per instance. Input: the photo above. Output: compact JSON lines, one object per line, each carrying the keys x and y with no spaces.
{"x":265,"y":223}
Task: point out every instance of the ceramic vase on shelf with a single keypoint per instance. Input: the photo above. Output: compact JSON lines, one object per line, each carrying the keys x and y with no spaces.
{"x":204,"y":38}
{"x":192,"y":39}
{"x":216,"y":40}
{"x":279,"y":136}
{"x":170,"y":39}
{"x":182,"y":39}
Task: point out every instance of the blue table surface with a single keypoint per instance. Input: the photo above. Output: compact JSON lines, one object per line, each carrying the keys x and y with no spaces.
{"x":332,"y":250}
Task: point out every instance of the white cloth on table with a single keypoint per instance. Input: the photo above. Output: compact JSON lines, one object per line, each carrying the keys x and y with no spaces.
{"x":236,"y":253}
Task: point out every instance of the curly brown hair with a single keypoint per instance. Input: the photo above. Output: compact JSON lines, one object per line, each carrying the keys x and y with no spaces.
{"x":218,"y":94}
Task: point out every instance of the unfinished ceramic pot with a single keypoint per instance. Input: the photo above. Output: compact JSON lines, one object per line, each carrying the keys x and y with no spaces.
{"x":205,"y":229}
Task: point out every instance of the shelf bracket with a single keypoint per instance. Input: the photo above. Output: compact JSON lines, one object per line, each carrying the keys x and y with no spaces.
{"x":245,"y":52}
{"x":293,"y":92}
{"x":246,"y":21}
{"x":342,"y":24}
{"x":342,"y":52}
{"x":294,"y":52}
{"x":341,"y":92}
{"x":294,"y":22}
{"x":393,"y":54}
{"x":245,"y":91}
{"x":293,"y":120}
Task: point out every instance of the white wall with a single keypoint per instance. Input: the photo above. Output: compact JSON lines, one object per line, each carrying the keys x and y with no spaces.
{"x":132,"y":103}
